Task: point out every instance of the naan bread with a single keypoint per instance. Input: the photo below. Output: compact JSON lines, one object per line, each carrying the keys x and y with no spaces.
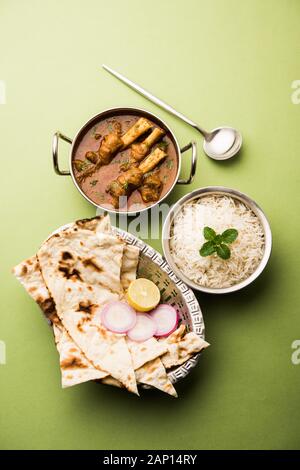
{"x":101,"y":223}
{"x":71,"y":357}
{"x":153,"y":373}
{"x":145,"y":351}
{"x":148,"y":367}
{"x":29,"y":275}
{"x":129,"y":265}
{"x":75,"y":368}
{"x":181,"y":347}
{"x":82,"y":271}
{"x":111,"y":381}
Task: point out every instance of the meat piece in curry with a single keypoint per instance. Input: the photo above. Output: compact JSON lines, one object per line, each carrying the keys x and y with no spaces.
{"x":109,"y":146}
{"x":124,"y":184}
{"x":151,"y":188}
{"x":141,"y":149}
{"x":133,"y":178}
{"x":91,"y":156}
{"x":112,"y":143}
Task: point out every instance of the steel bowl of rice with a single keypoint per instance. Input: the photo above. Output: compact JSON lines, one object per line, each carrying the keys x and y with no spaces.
{"x":217,"y":240}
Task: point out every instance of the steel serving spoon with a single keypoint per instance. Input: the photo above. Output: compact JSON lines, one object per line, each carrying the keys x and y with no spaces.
{"x":221,"y":143}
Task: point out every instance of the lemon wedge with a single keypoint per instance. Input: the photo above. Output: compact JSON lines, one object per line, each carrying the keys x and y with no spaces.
{"x":143,"y":295}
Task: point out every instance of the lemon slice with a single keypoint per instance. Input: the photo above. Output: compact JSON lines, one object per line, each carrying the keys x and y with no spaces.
{"x":143,"y":295}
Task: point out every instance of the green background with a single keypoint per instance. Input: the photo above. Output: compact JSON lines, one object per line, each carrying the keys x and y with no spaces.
{"x":226,"y":62}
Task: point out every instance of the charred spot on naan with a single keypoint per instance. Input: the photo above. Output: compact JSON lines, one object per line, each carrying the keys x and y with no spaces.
{"x":152,"y":368}
{"x":32,"y":289}
{"x":66,"y":255}
{"x":89,"y":224}
{"x":24,"y":270}
{"x":66,"y":259}
{"x":70,"y":273}
{"x":91,"y":262}
{"x":87,"y":307}
{"x":72,"y":362}
{"x":47,"y":305}
{"x":66,"y":265}
{"x":104,"y":332}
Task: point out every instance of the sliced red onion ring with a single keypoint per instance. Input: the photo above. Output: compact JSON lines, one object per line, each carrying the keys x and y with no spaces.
{"x":144,"y":328}
{"x":118,"y":317}
{"x":166,"y":318}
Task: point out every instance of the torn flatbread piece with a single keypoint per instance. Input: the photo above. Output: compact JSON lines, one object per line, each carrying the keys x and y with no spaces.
{"x":29,"y":275}
{"x":146,"y":351}
{"x":111,"y":381}
{"x":153,"y":373}
{"x":79,"y":260}
{"x":100,"y":223}
{"x":82,"y":272}
{"x":75,"y":368}
{"x":129,"y":265}
{"x":147,"y":365}
{"x":181,"y":347}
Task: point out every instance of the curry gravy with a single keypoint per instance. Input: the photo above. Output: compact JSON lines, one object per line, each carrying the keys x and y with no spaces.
{"x":95,"y":185}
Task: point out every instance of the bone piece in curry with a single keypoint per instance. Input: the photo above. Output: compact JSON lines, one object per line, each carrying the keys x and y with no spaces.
{"x":141,"y":149}
{"x":152,"y":160}
{"x":112,"y":143}
{"x":125,"y":184}
{"x":133,"y":178}
{"x":141,"y":126}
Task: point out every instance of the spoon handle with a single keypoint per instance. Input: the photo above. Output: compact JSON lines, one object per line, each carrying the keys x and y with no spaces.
{"x":155,"y":100}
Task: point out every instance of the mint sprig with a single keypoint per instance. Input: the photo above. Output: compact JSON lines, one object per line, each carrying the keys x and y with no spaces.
{"x":218,"y":243}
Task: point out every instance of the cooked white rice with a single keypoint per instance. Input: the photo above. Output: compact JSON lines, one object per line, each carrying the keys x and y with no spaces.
{"x":219,"y":213}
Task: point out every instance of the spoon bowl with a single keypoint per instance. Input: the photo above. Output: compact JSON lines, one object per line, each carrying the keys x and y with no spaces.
{"x":222,"y":143}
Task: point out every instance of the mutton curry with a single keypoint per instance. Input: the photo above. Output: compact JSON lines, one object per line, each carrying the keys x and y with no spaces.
{"x":125,"y":163}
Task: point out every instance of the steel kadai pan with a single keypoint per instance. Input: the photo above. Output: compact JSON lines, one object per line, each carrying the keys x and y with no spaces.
{"x":114,"y":113}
